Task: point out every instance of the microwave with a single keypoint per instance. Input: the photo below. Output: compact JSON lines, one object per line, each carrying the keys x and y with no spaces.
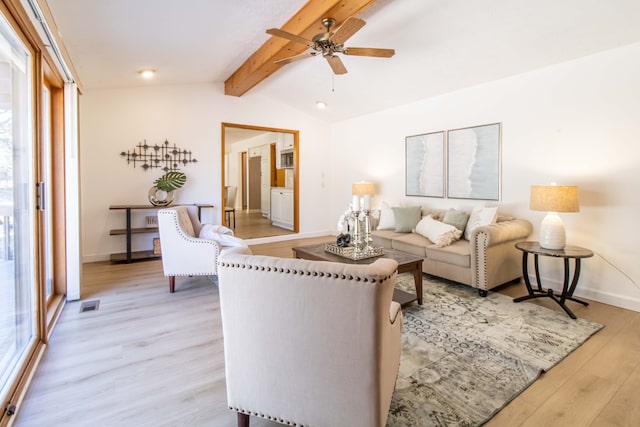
{"x":286,"y":159}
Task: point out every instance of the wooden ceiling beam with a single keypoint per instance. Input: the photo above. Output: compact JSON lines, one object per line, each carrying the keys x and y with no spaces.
{"x":306,"y":23}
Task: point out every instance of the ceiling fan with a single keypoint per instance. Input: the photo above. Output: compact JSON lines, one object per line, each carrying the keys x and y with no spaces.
{"x":328,"y":44}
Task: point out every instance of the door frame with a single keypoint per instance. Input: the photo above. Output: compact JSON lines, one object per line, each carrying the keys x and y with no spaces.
{"x":296,"y":166}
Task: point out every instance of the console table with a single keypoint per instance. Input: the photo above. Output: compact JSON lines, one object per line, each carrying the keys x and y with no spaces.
{"x":130,"y":256}
{"x":569,"y":252}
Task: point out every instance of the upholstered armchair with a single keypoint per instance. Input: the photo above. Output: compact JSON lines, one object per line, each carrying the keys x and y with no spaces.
{"x":183,"y":252}
{"x":309,"y":342}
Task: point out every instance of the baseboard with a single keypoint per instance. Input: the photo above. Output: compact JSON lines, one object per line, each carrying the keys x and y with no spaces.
{"x":261,"y":240}
{"x":615,"y":300}
{"x":96,"y":258}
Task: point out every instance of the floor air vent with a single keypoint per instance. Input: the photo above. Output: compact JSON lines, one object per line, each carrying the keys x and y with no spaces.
{"x":89,"y":306}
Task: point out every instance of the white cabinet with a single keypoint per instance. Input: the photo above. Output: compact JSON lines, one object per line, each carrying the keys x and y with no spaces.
{"x":287,"y":143}
{"x":284,"y":142}
{"x":282,"y":207}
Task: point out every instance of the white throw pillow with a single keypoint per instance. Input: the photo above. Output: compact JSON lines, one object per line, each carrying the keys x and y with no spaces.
{"x":480,"y":216}
{"x":387,"y":218}
{"x":221,"y":234}
{"x":439,"y":233}
{"x":208,"y":231}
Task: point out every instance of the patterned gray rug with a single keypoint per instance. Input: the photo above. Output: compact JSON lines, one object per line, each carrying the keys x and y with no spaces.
{"x":465,"y":357}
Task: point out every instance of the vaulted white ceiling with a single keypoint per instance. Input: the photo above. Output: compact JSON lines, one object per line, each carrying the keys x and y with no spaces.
{"x":441,"y":45}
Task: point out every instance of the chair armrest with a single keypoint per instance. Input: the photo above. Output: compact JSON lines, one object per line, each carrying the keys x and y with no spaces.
{"x":186,"y":255}
{"x":494,"y":258}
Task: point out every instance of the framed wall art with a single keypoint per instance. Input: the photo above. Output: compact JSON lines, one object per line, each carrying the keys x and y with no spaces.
{"x":473,"y":162}
{"x":425,"y":164}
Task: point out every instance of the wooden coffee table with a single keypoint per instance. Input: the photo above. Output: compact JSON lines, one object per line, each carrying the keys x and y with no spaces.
{"x":406,"y":263}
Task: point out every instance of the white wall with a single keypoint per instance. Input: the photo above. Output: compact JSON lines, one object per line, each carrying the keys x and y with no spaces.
{"x":576,"y":123}
{"x":115,"y":120}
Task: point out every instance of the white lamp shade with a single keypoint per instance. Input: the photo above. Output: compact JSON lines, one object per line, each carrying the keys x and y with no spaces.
{"x":552,"y":232}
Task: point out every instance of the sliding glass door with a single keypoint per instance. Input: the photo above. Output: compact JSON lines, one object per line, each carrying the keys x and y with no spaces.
{"x":18,"y":285}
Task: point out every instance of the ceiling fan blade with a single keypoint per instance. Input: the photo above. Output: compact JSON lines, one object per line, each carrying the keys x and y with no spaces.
{"x":291,"y":59}
{"x":336,"y":64}
{"x":369,"y":51}
{"x":285,"y":35}
{"x":347,"y":29}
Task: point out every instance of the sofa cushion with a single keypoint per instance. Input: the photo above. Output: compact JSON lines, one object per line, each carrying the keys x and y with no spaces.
{"x":185,"y":221}
{"x":439,"y":233}
{"x":456,"y":218}
{"x":386,"y":220}
{"x":383,"y":238}
{"x":480,"y":216}
{"x":406,"y":218}
{"x":458,"y":253}
{"x":411,"y":243}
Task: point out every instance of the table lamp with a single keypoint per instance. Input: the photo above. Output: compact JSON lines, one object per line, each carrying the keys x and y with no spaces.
{"x":364,"y":190}
{"x":553,"y":199}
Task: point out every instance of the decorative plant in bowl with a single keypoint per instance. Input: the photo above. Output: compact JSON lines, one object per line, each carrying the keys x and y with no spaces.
{"x":162,"y":192}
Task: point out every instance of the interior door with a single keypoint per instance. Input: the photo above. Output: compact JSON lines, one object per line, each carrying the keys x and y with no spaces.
{"x":243,"y":179}
{"x":255,"y":183}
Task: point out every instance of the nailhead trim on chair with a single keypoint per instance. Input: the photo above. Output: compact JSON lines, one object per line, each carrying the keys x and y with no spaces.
{"x":303,"y":272}
{"x":191,"y":239}
{"x":266,"y":416}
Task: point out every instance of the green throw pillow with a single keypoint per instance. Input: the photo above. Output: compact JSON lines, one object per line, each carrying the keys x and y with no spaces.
{"x":406,"y":218}
{"x":456,"y":218}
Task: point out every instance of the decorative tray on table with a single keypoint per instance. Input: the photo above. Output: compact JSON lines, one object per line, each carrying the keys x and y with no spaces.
{"x":351,"y":253}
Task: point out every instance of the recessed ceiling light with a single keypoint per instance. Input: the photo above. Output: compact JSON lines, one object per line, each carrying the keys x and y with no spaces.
{"x":147,"y":74}
{"x":321,"y":104}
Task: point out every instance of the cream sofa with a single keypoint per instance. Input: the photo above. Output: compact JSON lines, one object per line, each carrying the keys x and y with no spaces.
{"x":487,"y":260}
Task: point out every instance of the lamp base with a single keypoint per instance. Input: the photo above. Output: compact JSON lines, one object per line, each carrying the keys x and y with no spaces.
{"x":552,"y":232}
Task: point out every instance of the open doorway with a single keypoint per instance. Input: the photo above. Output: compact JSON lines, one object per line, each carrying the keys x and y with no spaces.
{"x":267,"y":185}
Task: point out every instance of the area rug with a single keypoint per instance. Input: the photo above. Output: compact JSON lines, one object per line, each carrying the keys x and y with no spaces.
{"x":465,"y":357}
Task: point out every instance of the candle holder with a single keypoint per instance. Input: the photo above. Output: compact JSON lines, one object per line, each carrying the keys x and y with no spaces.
{"x":361,"y":235}
{"x":367,"y":228}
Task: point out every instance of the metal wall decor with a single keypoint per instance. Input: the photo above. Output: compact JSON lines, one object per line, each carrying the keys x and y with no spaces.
{"x":164,"y":156}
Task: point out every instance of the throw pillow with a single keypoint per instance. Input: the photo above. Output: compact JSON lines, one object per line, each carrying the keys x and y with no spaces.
{"x":221,"y":234}
{"x":406,"y":218}
{"x":387,"y":221}
{"x":480,"y":216}
{"x":210,"y":231}
{"x":439,"y":233}
{"x":456,"y":218}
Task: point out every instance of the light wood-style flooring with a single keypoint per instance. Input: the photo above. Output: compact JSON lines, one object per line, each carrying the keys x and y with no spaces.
{"x":254,"y":225}
{"x":150,"y":358}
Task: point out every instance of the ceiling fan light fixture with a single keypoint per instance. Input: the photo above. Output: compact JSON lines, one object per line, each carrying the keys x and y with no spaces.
{"x":329,"y":43}
{"x":147,"y":74}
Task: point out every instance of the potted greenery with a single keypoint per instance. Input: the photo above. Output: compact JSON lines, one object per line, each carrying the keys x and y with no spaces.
{"x":162,"y":192}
